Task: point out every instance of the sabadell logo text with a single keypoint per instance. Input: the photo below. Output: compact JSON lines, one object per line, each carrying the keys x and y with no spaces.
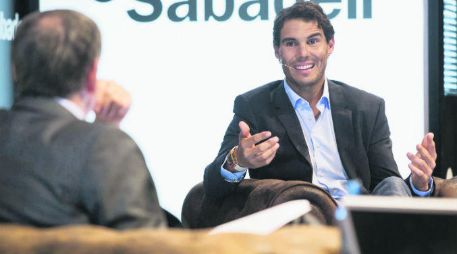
{"x":246,"y":10}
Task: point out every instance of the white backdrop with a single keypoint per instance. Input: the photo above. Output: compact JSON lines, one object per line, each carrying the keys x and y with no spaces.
{"x":184,"y":76}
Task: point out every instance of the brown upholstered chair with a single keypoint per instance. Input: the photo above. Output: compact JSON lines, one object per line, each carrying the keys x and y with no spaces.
{"x":253,"y":195}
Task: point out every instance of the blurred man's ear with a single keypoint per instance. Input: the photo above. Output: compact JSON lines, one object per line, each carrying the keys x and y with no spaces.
{"x":278,"y":56}
{"x":92,"y":77}
{"x":331,"y":46}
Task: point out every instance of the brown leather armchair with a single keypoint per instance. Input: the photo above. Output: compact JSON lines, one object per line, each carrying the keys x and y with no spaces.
{"x":253,"y":195}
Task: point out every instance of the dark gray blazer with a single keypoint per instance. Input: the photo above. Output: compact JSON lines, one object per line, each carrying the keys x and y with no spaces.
{"x":58,"y":170}
{"x":361,"y":130}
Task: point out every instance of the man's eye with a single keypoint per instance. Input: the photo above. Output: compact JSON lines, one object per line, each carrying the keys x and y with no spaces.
{"x":290,"y":43}
{"x":313,"y":41}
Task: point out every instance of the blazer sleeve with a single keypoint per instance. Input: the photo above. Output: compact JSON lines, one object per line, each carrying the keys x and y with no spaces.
{"x":215,"y":185}
{"x":380,"y":156}
{"x":117,"y":189}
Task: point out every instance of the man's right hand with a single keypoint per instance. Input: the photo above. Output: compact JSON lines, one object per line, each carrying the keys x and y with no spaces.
{"x":251,"y":153}
{"x":112,"y":102}
{"x":423,"y":163}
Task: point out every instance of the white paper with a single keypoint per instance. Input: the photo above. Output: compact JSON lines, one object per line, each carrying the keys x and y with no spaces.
{"x":429,"y":205}
{"x":266,"y":221}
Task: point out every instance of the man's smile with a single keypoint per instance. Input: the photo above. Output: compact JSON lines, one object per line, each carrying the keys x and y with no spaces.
{"x":303,"y":66}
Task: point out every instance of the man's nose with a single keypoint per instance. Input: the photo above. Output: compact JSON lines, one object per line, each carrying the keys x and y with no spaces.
{"x":303,"y":49}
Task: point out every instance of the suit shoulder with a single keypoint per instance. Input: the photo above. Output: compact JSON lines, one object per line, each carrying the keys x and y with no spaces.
{"x":355,"y":95}
{"x":95,"y":132}
{"x":105,"y":130}
{"x":262,"y":91}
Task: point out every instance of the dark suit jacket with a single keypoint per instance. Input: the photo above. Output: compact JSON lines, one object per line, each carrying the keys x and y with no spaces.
{"x":58,"y":170}
{"x":361,"y":130}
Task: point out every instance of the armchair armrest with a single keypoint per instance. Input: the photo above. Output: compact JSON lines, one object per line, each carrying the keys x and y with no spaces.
{"x":253,"y":195}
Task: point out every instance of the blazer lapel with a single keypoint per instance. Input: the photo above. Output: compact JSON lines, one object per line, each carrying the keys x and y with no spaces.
{"x":288,"y":118}
{"x":343,"y":126}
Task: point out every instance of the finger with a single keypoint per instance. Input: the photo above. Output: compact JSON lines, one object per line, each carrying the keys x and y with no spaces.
{"x":416,"y":171}
{"x":116,"y":94}
{"x":420,"y":164}
{"x":118,"y":107}
{"x":112,"y":112}
{"x":274,"y":151}
{"x":101,"y":98}
{"x":419,"y":179}
{"x":121,"y":113}
{"x":425,"y":155}
{"x":267,"y":154}
{"x":423,"y":166}
{"x":244,"y":130}
{"x":431,"y":145}
{"x":260,"y":152}
{"x":411,"y":156}
{"x":250,"y":154}
{"x":254,"y":139}
{"x":260,"y":149}
{"x":266,"y":145}
{"x":425,"y":140}
{"x":100,"y":89}
{"x":103,"y":110}
{"x":113,"y":101}
{"x":266,"y":157}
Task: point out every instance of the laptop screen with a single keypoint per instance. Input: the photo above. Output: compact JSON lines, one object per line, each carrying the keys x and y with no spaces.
{"x":399,"y":225}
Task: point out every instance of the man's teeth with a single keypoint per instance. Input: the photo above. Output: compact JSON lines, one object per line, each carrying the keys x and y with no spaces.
{"x":304,"y":67}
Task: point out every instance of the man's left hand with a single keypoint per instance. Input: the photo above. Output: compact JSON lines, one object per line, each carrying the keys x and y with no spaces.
{"x":423,"y":163}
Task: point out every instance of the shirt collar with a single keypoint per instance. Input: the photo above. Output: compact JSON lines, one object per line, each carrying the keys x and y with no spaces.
{"x":296,"y":100}
{"x":71,"y":107}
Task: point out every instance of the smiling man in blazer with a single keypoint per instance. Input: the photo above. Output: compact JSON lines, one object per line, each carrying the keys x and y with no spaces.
{"x":307,"y":127}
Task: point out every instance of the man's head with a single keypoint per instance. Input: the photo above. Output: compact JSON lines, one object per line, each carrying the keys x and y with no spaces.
{"x":303,"y":40}
{"x":306,"y":11}
{"x":54,"y":53}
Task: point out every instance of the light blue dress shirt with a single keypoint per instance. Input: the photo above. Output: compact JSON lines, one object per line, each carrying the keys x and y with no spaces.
{"x":328,"y":171}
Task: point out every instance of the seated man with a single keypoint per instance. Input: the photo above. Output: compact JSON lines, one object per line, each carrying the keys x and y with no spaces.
{"x":55,"y":167}
{"x":307,"y":127}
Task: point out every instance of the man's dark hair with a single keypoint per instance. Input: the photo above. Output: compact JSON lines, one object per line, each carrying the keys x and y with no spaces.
{"x":307,"y":11}
{"x":53,"y":52}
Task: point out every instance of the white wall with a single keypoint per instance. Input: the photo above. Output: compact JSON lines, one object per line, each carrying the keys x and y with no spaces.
{"x":183,"y":76}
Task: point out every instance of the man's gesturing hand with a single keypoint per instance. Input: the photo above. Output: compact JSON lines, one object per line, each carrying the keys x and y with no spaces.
{"x":256,"y":150}
{"x":423,"y":163}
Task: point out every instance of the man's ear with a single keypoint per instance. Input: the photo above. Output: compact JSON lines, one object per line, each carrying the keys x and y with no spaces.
{"x":277,"y":54}
{"x":92,"y":77}
{"x":331,"y":46}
